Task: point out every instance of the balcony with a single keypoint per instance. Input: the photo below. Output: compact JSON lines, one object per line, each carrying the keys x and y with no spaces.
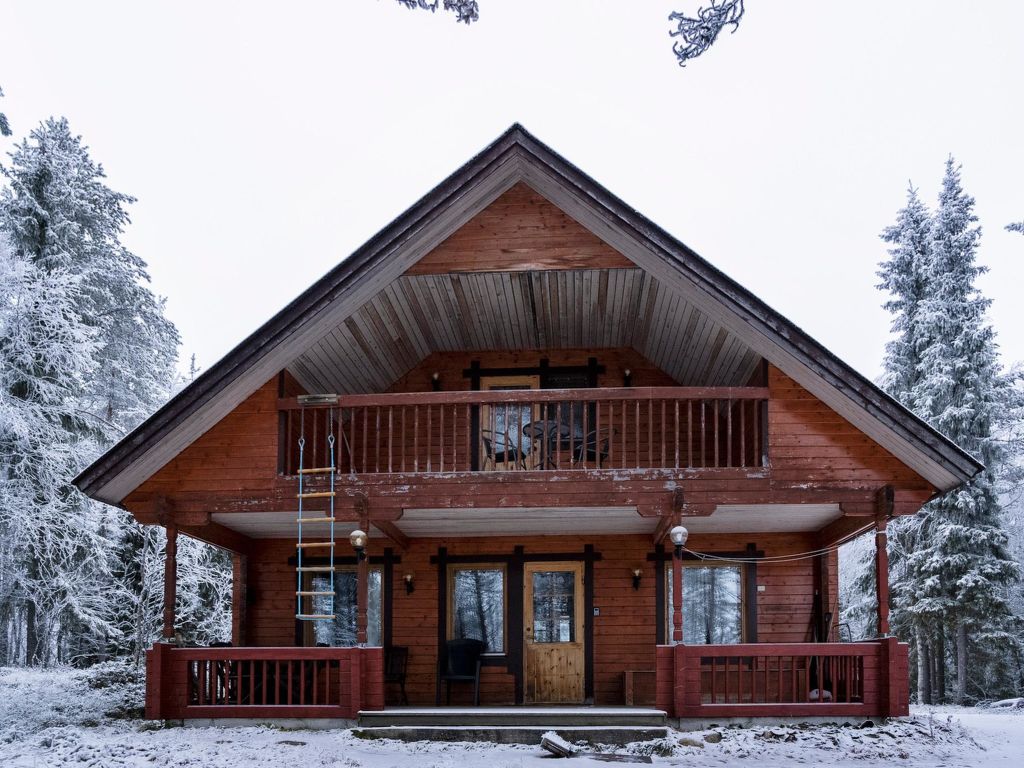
{"x":553,"y":430}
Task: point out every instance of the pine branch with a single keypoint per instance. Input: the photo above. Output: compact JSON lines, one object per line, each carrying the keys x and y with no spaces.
{"x":698,"y":33}
{"x":466,"y":11}
{"x":5,"y":127}
{"x":1017,"y":226}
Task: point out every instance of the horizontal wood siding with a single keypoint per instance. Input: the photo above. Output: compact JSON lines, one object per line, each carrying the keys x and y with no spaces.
{"x":521,"y":230}
{"x":625,"y":633}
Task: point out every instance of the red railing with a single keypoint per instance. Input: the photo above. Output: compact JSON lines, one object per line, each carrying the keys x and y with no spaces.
{"x":524,"y":430}
{"x":262,"y":682}
{"x":790,"y":679}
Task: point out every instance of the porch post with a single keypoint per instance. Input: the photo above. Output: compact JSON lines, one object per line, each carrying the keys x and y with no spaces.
{"x":170,"y":580}
{"x":239,"y":598}
{"x":882,"y":575}
{"x":677,"y":595}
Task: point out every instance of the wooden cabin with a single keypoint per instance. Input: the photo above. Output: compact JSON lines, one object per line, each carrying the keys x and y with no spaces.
{"x":523,"y":393}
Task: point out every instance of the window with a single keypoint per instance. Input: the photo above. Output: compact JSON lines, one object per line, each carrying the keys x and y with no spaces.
{"x":476,"y":606}
{"x":342,"y":631}
{"x":712,"y":604}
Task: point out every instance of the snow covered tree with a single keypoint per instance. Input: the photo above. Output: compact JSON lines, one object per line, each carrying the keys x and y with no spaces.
{"x":696,"y":34}
{"x":951,"y":564}
{"x":5,"y":127}
{"x":85,"y":354}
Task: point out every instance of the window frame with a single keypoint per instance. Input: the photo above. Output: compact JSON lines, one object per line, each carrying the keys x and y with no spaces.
{"x":450,"y":607}
{"x":741,"y":567}
{"x":308,"y":636}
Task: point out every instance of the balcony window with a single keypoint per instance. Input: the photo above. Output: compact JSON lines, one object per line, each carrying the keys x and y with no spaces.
{"x":712,"y":604}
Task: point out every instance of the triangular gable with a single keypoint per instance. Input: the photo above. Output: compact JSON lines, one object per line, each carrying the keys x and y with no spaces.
{"x":518,"y":158}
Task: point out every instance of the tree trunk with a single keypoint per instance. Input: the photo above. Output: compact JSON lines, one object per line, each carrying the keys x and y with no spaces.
{"x":924,"y":669}
{"x":940,"y":665}
{"x":961,"y":665}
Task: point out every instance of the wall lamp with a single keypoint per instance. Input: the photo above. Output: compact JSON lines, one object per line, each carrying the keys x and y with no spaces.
{"x":637,"y":575}
{"x":627,"y":378}
{"x":410,"y":585}
{"x":435,"y":381}
{"x":358,"y":540}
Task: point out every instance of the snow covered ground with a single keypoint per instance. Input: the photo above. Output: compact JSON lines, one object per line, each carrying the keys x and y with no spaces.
{"x":74,"y":718}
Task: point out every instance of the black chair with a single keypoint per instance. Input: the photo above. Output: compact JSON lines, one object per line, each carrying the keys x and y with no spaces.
{"x":500,"y":448}
{"x":396,"y":659}
{"x":461,"y":663}
{"x":595,"y":447}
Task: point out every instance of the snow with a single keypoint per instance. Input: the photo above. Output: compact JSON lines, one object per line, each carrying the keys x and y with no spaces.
{"x":61,"y":718}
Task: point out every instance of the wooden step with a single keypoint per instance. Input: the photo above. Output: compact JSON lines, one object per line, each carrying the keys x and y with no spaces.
{"x":314,"y":616}
{"x":316,"y":471}
{"x":315,"y":569}
{"x":314,"y":544}
{"x":312,"y":593}
{"x":314,"y":519}
{"x":317,"y":495}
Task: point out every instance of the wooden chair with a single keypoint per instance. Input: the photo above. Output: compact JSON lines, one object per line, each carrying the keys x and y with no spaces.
{"x":461,"y":663}
{"x":396,"y":659}
{"x":501,"y":448}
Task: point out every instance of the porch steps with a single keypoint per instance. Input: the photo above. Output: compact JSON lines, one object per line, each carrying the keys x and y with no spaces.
{"x":514,"y":725}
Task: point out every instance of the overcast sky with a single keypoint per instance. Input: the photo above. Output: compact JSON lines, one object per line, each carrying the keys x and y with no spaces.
{"x":266,"y":141}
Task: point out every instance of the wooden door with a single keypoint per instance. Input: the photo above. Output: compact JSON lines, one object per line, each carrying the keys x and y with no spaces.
{"x":501,"y":427}
{"x":553,"y":655}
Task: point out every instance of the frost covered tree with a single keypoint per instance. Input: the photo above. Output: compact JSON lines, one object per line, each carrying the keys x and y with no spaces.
{"x":952,"y":568}
{"x":5,"y":127}
{"x":695,"y":34}
{"x":85,"y":354}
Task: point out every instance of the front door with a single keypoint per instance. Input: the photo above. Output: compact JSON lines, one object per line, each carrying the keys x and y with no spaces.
{"x":553,"y":628}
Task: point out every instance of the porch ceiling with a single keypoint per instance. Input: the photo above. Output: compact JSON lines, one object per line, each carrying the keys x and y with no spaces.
{"x":416,"y":315}
{"x":550,"y":521}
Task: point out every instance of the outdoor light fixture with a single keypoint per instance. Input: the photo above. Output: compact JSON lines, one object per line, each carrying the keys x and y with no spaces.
{"x":679,"y":536}
{"x":410,"y":587}
{"x":627,"y":377}
{"x":637,"y":574}
{"x":435,"y":381}
{"x":358,"y":539}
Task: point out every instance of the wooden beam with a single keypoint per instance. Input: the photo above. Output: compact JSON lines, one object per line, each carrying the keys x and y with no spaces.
{"x":220,"y":536}
{"x":392,"y":531}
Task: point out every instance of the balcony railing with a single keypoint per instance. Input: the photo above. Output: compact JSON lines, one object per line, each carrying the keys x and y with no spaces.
{"x":528,"y":430}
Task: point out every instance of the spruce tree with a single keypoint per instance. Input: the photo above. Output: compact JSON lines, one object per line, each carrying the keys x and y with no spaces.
{"x":961,"y":565}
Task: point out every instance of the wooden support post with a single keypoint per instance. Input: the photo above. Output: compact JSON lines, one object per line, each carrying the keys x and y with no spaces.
{"x":883,"y":512}
{"x":239,"y":598}
{"x":677,"y":595}
{"x":170,"y":580}
{"x":363,"y":578}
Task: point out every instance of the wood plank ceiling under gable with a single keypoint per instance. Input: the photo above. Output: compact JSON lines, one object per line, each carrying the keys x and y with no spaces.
{"x":521,"y":275}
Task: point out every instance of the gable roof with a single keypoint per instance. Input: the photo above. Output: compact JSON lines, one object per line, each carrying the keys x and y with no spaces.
{"x":517,"y":156}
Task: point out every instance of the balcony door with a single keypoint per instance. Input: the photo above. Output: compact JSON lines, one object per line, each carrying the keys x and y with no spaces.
{"x":554,"y":653}
{"x":503,"y":445}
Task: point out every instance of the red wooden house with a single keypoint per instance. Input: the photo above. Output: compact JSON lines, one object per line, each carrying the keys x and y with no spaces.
{"x":517,"y":390}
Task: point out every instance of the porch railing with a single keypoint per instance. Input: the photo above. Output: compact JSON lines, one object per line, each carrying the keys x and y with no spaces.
{"x":524,"y":430}
{"x":262,"y":682}
{"x":790,"y":679}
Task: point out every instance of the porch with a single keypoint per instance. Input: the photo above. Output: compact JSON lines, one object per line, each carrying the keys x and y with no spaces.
{"x":840,"y":680}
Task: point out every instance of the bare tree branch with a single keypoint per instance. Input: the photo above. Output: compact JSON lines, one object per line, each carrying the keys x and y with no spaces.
{"x":698,"y":33}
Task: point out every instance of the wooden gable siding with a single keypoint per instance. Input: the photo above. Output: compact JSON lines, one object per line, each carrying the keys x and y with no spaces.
{"x":808,"y":442}
{"x":521,"y":230}
{"x":624,"y":634}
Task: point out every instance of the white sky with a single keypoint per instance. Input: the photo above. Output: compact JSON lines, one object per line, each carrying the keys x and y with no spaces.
{"x":266,"y":141}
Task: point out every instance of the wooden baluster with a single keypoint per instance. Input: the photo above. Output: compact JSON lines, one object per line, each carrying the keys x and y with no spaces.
{"x":366,"y":430}
{"x":728,"y":433}
{"x":662,"y":433}
{"x":714,"y":430}
{"x":315,"y":443}
{"x":689,"y":434}
{"x":650,"y":432}
{"x":624,"y":432}
{"x":675,"y":432}
{"x":376,"y":440}
{"x":391,"y":439}
{"x":289,"y":448}
{"x":302,"y":681}
{"x":505,"y":440}
{"x":558,"y":437}
{"x":636,"y":435}
{"x":288,"y":697}
{"x":572,"y":433}
{"x":743,"y":433}
{"x":469,"y":443}
{"x":703,"y":435}
{"x":585,"y":432}
{"x":353,"y":468}
{"x":440,"y":435}
{"x":415,"y":438}
{"x":430,"y":436}
{"x":611,"y":433}
{"x":263,"y":683}
{"x":714,"y":680}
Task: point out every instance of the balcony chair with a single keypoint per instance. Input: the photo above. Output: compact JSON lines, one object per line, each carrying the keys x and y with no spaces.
{"x":500,"y":448}
{"x":461,"y":663}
